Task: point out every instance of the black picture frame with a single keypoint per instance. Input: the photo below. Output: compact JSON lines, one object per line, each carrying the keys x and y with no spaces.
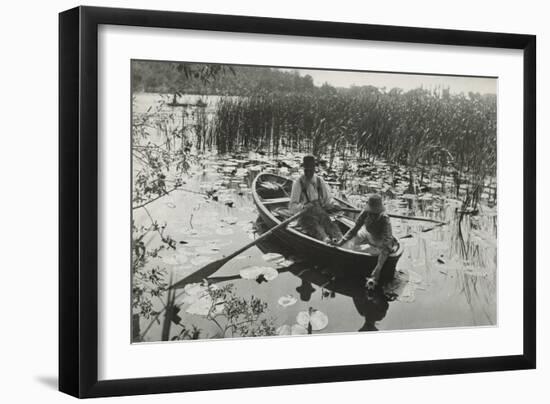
{"x":78,"y":200}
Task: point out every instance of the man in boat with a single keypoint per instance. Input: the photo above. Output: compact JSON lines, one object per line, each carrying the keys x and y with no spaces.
{"x":373,"y":227}
{"x":311,"y":192}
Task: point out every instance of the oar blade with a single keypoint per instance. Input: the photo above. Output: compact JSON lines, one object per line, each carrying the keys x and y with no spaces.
{"x":211,"y":268}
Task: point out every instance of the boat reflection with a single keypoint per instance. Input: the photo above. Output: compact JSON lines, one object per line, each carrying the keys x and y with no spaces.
{"x":371,"y":305}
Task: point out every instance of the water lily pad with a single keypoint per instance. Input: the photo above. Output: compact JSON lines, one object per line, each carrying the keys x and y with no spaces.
{"x":255,"y":272}
{"x":244,"y":223}
{"x":426,"y":197}
{"x":175,"y":259}
{"x":192,"y":292}
{"x":189,"y":232}
{"x":194,"y":243}
{"x":283,"y":170}
{"x":224,"y":231}
{"x":250,"y":272}
{"x":207,"y":250}
{"x":408,"y":294}
{"x":230,"y":219}
{"x":284,"y":263}
{"x":272,"y":257}
{"x":228,"y":201}
{"x":476,"y":273}
{"x":287,"y":300}
{"x":316,"y":318}
{"x":185,"y":252}
{"x":170,"y":260}
{"x":296,"y":329}
{"x":181,"y":258}
{"x":270,"y":273}
{"x":204,"y":306}
{"x":283,"y":330}
{"x":414,"y":277}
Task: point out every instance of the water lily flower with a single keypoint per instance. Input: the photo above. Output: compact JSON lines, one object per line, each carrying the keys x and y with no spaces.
{"x":255,"y":272}
{"x":317,"y":319}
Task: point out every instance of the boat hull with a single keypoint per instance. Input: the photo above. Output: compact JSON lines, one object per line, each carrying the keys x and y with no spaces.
{"x":329,"y":257}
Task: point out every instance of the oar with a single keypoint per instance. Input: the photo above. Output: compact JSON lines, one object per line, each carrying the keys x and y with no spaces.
{"x":410,"y":235}
{"x":419,"y":219}
{"x":209,"y":269}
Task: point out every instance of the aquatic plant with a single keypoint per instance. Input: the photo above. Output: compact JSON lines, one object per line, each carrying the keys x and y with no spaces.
{"x":233,"y":316}
{"x":418,"y":129}
{"x":156,"y":163}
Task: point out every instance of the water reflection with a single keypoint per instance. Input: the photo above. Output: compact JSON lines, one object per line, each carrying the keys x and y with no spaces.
{"x":371,"y":305}
{"x":305,"y":290}
{"x":443,"y":280}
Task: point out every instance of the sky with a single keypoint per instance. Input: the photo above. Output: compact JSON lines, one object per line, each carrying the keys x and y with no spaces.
{"x":406,"y":82}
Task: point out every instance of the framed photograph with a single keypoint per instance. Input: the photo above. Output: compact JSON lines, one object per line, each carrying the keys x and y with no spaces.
{"x":251,"y":201}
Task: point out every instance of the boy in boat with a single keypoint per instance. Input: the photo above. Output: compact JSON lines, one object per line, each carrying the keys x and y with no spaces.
{"x":312,"y":193}
{"x":373,"y":227}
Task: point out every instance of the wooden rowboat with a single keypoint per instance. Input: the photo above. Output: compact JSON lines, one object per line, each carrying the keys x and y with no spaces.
{"x":271,"y":194}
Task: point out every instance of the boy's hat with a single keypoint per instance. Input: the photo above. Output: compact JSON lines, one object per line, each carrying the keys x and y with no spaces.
{"x":374,"y":204}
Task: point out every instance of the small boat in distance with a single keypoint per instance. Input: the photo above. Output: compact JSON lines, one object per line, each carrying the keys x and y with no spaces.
{"x":271,"y":194}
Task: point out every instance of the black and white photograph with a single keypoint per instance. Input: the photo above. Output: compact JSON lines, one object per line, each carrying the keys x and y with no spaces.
{"x":280,"y":201}
{"x":275,"y":202}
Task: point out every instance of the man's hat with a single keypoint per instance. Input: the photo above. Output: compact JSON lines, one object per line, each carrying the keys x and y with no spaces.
{"x":374,"y":204}
{"x":308,"y":161}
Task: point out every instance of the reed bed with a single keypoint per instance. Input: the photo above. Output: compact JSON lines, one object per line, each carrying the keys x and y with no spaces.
{"x":416,"y":129}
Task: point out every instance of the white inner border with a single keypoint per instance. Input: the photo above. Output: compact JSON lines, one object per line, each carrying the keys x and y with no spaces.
{"x":119,"y":359}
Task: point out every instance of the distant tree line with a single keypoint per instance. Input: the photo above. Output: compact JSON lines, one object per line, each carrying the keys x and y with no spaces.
{"x":277,"y":109}
{"x":211,"y":79}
